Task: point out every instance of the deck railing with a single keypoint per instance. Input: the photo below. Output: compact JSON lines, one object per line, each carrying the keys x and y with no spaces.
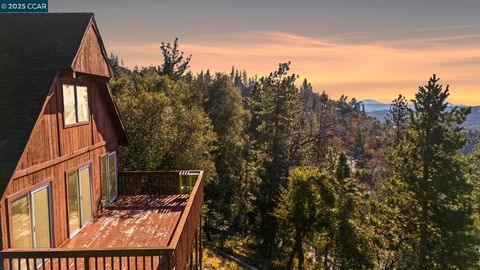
{"x":58,"y":258}
{"x":186,"y":236}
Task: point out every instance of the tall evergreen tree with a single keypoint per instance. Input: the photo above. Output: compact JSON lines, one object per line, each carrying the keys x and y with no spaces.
{"x":348,"y":246}
{"x":428,"y":164}
{"x":223,"y":105}
{"x":278,"y":102}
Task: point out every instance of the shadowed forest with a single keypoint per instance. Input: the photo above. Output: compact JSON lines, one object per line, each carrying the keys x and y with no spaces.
{"x":296,"y":179}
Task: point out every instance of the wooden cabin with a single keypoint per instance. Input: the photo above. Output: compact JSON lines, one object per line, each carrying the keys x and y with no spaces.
{"x":64,"y":203}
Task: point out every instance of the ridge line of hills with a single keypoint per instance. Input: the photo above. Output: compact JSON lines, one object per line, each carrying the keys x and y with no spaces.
{"x":379,"y":111}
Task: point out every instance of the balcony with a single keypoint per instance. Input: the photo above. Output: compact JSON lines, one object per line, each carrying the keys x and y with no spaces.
{"x":153,"y":224}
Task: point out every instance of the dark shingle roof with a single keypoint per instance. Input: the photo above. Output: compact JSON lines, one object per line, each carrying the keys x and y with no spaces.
{"x":33,"y":48}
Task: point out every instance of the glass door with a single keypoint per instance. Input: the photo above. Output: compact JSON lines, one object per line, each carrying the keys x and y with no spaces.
{"x":112,"y":170}
{"x":41,"y":218}
{"x":30,"y":219}
{"x":79,"y":199}
{"x":109,"y":178}
{"x":85,"y":195}
{"x":73,"y":203}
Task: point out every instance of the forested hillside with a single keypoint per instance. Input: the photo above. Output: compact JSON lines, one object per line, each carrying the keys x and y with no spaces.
{"x":298,"y":179}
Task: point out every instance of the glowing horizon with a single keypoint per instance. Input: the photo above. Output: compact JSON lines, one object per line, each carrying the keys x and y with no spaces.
{"x":379,"y":70}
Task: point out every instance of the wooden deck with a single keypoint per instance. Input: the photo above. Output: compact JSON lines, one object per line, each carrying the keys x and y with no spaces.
{"x":153,"y":224}
{"x":137,"y":221}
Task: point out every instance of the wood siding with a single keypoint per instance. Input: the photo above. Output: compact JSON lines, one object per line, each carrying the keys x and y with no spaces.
{"x":90,"y":57}
{"x":54,"y":149}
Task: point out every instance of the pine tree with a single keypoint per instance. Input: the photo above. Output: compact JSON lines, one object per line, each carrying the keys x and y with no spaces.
{"x":348,"y":246}
{"x":397,"y":118}
{"x":428,"y":165}
{"x":174,"y":62}
{"x":278,"y":102}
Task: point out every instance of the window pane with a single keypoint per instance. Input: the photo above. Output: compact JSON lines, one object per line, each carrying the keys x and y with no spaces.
{"x":104,"y":176}
{"x":86,"y":195}
{"x":41,"y":215}
{"x":73,"y":202}
{"x":112,"y":160}
{"x":69,"y":104}
{"x":21,"y":223}
{"x":82,"y":103}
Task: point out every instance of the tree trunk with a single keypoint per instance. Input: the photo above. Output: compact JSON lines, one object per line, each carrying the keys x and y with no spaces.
{"x":300,"y":253}
{"x":290,"y":259}
{"x":207,"y":230}
{"x":325,"y":257}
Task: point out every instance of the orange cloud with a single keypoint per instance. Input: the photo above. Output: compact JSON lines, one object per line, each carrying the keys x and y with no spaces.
{"x":378,"y":68}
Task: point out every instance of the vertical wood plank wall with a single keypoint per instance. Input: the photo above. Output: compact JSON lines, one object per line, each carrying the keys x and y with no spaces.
{"x":51,"y":142}
{"x":90,"y":58}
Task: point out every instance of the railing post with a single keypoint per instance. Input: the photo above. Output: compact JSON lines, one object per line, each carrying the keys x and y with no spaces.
{"x":169,"y":260}
{"x":86,"y":262}
{"x":180,"y":183}
{"x":196,"y":250}
{"x":201,"y":244}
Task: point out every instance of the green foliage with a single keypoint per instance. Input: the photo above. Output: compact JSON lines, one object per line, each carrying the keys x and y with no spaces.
{"x":346,"y":241}
{"x":163,"y":131}
{"x":431,"y":173}
{"x":397,"y":119}
{"x":277,"y":100}
{"x":174,"y":63}
{"x":342,"y":171}
{"x":225,"y":194}
{"x":305,"y":206}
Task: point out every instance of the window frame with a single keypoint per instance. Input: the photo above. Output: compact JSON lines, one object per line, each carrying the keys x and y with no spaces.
{"x":80,"y":194}
{"x":29,"y":192}
{"x":107,"y":155}
{"x":75,"y":84}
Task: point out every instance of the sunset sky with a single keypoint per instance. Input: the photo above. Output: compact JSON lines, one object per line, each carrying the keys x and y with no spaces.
{"x":361,"y":48}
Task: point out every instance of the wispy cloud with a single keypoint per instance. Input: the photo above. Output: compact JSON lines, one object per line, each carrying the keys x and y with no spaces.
{"x":377,"y":67}
{"x":408,"y":31}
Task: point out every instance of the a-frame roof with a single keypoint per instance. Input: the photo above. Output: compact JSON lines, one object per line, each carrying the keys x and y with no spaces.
{"x":34,"y":48}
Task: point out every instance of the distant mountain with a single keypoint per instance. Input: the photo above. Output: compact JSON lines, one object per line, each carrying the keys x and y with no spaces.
{"x":379,"y":115}
{"x":379,"y":111}
{"x":373,"y":106}
{"x":473,"y":119}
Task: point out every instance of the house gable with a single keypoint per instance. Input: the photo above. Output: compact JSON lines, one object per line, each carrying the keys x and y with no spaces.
{"x":91,"y":57}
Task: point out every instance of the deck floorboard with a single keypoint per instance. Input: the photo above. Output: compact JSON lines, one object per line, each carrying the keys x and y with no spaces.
{"x":132,"y":222}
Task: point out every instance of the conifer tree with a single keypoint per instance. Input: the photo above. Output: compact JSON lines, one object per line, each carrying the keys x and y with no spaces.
{"x":174,"y":62}
{"x":223,"y":106}
{"x":397,"y":118}
{"x":432,"y":175}
{"x":278,"y":102}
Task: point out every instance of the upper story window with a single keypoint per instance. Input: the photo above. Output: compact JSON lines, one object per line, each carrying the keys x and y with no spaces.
{"x":75,"y":104}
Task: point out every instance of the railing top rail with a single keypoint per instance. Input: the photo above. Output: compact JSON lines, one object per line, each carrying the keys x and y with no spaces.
{"x":160,"y":172}
{"x":83,"y":249}
{"x":87,"y":252}
{"x":181,"y":223}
